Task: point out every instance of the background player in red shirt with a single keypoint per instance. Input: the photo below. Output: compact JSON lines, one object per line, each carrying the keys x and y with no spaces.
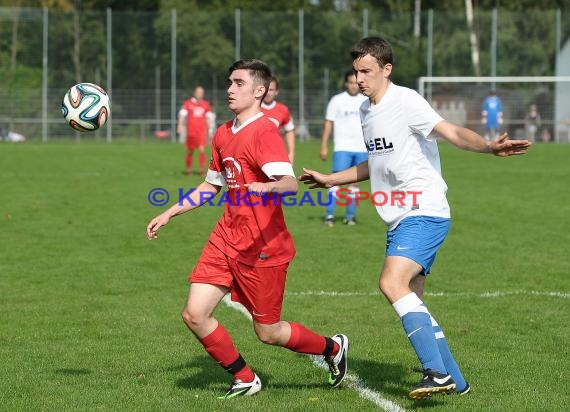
{"x":250,"y":247}
{"x":279,"y":114}
{"x":194,"y":122}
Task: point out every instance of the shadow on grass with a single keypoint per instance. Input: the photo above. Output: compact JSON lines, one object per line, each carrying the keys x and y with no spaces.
{"x":390,"y":379}
{"x":320,"y":217}
{"x":203,"y":373}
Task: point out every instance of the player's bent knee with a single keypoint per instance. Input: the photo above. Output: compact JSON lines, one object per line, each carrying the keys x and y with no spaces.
{"x":384,"y":285}
{"x":389,"y":288}
{"x":267,"y":335}
{"x":191,"y":319}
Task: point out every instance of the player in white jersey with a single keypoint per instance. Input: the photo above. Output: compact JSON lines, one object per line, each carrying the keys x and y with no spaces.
{"x":343,"y":117}
{"x":403,"y":164}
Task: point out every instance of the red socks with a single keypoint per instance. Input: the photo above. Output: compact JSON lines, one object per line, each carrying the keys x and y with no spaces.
{"x":219,"y":346}
{"x":188,"y":162}
{"x":202,"y":161}
{"x":304,"y":340}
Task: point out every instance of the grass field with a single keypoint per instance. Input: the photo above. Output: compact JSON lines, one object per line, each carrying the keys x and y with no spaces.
{"x":90,"y":308}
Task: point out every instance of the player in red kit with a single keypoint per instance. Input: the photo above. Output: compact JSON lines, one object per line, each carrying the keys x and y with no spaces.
{"x":279,"y":114}
{"x":194,"y":121}
{"x":250,"y":248}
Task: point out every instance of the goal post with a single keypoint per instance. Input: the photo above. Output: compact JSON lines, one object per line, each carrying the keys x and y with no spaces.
{"x":459,"y":99}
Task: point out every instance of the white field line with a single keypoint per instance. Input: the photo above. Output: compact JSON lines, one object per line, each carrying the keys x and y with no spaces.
{"x":489,"y":294}
{"x":353,"y":381}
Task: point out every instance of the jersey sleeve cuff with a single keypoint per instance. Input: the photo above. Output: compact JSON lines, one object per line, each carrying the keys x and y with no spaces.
{"x":278,"y":169}
{"x":289,"y":127}
{"x":215,"y":178}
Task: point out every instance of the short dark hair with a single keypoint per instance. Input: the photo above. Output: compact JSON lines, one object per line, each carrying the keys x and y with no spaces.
{"x":274,"y":79}
{"x":258,"y":70}
{"x":377,"y":47}
{"x":347,"y":74}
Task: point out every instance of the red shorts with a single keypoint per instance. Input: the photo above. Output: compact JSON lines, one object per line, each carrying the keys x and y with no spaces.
{"x":260,"y":290}
{"x":193,"y":141}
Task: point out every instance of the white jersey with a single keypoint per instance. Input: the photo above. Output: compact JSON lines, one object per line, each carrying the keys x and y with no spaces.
{"x":402,"y":157}
{"x":347,"y":131}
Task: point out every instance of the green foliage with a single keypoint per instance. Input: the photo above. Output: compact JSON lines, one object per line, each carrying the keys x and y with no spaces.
{"x":206,"y":43}
{"x":204,"y":47}
{"x":19,"y":92}
{"x":92,"y":47}
{"x":21,"y":77}
{"x":535,"y":58}
{"x":451,"y":49}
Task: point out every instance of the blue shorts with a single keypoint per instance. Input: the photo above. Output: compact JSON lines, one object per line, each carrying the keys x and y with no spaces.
{"x":418,"y":238}
{"x":344,"y":160}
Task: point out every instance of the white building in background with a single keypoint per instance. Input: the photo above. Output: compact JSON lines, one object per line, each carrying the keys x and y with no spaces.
{"x":562,"y":97}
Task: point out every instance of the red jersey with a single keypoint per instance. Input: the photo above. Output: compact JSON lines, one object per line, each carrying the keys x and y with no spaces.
{"x":195,"y":112}
{"x":251,"y":230}
{"x":279,"y":114}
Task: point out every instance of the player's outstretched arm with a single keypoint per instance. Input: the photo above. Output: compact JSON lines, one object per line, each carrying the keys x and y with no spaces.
{"x":204,"y":192}
{"x":290,"y":139}
{"x":467,"y":139}
{"x":281,"y":185}
{"x":317,"y":180}
{"x":327,"y":129}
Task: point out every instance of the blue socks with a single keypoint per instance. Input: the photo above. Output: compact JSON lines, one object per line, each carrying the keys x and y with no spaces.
{"x":447,"y":358}
{"x":427,"y":338}
{"x":350,"y":203}
{"x":417,"y":324}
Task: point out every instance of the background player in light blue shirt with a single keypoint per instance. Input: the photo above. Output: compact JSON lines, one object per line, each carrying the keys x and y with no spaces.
{"x":492,"y":115}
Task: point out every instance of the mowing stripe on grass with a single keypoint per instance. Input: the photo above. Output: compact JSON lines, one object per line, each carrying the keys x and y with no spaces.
{"x":353,"y":381}
{"x":490,"y":294}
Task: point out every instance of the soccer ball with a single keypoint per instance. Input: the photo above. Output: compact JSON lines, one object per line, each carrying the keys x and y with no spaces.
{"x":85,"y":107}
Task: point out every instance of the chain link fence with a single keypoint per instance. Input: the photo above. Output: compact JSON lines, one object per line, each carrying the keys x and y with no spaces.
{"x":150,"y":62}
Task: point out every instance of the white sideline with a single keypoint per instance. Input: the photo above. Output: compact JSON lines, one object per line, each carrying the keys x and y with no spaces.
{"x":489,"y":294}
{"x":353,"y":381}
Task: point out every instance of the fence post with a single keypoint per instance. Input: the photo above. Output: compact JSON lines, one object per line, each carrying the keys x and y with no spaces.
{"x":303,"y":131}
{"x":555,"y":127}
{"x":326,"y":81}
{"x":110,"y":70}
{"x":157,"y":106}
{"x":45,"y":77}
{"x":237,"y":17}
{"x":494,"y":47}
{"x":429,"y":53}
{"x":173,"y":78}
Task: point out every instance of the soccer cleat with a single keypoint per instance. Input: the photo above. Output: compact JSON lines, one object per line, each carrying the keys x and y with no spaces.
{"x":465,"y":390}
{"x":329,"y":221}
{"x":239,"y":388}
{"x":350,"y":222}
{"x":338,"y":364}
{"x":432,"y":382}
